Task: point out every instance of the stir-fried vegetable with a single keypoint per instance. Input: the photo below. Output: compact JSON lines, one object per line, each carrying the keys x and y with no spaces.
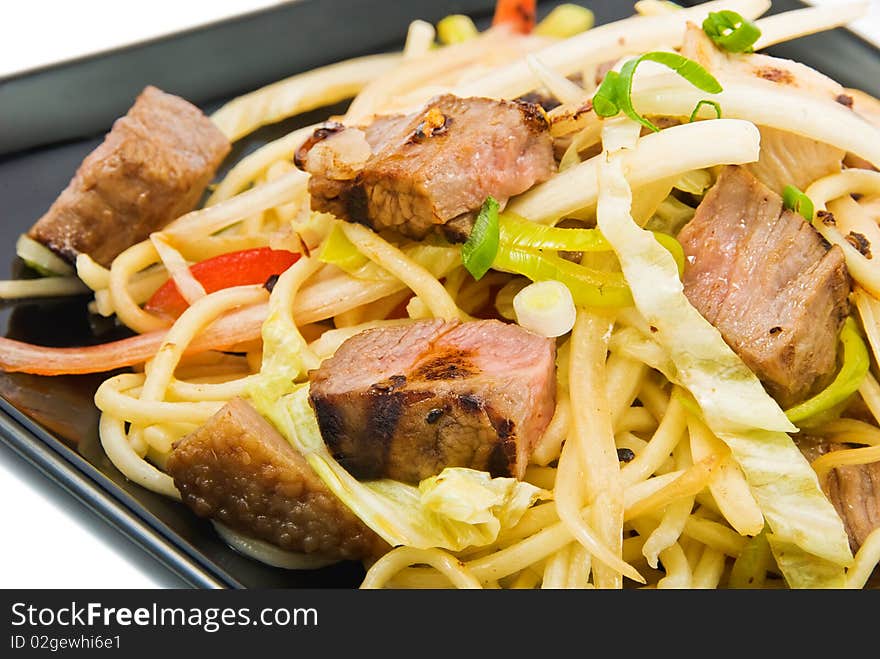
{"x":615,"y":93}
{"x":482,"y":245}
{"x":341,"y":252}
{"x":856,"y":362}
{"x":566,"y":21}
{"x":715,"y":105}
{"x":546,"y":308}
{"x":41,"y":258}
{"x":456,"y":28}
{"x":750,"y":567}
{"x":588,"y":287}
{"x":731,"y":31}
{"x":516,"y":230}
{"x":795,"y":200}
{"x":513,"y":244}
{"x":520,"y":15}
{"x":520,"y":232}
{"x":248,"y":266}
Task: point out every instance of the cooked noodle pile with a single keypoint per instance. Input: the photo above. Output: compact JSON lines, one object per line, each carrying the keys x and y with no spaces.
{"x":638,"y":485}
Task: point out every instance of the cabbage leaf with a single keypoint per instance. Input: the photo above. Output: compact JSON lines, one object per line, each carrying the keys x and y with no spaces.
{"x":803,"y":570}
{"x":732,"y":400}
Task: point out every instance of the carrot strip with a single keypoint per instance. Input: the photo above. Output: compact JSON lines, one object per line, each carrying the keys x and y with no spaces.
{"x":520,"y":15}
{"x":229,"y":330}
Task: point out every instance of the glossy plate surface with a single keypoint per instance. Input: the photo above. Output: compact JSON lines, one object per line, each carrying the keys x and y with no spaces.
{"x":50,"y":119}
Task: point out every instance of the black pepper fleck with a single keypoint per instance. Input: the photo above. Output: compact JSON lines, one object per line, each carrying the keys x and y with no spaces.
{"x":625,"y":454}
{"x":434,"y":415}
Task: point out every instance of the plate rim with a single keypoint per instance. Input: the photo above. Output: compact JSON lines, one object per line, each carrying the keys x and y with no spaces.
{"x":122,"y":511}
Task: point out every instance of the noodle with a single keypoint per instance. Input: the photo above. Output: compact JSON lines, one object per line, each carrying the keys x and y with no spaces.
{"x":417,"y":278}
{"x":669,"y":433}
{"x":635,"y":489}
{"x":300,"y":93}
{"x":592,"y":450}
{"x":457,"y":573}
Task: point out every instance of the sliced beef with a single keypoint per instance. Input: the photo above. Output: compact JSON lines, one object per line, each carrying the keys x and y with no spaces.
{"x":766,"y":279}
{"x":152,"y":167}
{"x":438,"y":164}
{"x":405,"y":402}
{"x":239,"y":470}
{"x":853,"y":489}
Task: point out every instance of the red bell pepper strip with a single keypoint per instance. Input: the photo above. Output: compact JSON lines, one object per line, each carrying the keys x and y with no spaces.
{"x":519,"y":14}
{"x":248,"y":266}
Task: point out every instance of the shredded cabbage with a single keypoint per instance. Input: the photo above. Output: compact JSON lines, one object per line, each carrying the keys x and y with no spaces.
{"x":803,"y":570}
{"x":341,"y":252}
{"x":735,"y":405}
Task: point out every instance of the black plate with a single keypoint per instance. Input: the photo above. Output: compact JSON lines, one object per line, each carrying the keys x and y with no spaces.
{"x":51,"y":118}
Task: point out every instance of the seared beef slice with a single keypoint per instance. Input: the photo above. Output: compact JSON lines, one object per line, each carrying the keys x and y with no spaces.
{"x":440,"y":164}
{"x":405,"y":402}
{"x":152,"y":167}
{"x":853,"y":489}
{"x":765,"y":278}
{"x":239,"y":470}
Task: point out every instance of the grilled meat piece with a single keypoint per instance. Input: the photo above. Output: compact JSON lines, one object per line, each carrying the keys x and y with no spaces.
{"x":853,"y":489}
{"x":240,"y":471}
{"x":405,"y":402}
{"x":152,"y":167}
{"x":765,"y":278}
{"x":438,"y":164}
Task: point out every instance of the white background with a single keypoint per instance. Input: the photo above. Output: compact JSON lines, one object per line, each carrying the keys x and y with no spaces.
{"x":47,"y":539}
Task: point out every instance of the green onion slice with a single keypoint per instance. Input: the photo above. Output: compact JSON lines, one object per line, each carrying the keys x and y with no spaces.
{"x":795,"y":200}
{"x":481,"y":247}
{"x":516,"y":230}
{"x":714,"y":104}
{"x":615,"y":92}
{"x":856,"y":362}
{"x":731,"y":31}
{"x":588,"y":287}
{"x":605,"y":101}
{"x":520,"y":232}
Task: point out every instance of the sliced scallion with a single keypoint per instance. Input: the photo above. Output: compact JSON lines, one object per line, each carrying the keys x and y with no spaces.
{"x":713,"y":104}
{"x":520,"y":232}
{"x":615,"y":93}
{"x":546,"y":308}
{"x":795,"y":200}
{"x":731,"y":31}
{"x":481,"y":247}
{"x":589,"y":287}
